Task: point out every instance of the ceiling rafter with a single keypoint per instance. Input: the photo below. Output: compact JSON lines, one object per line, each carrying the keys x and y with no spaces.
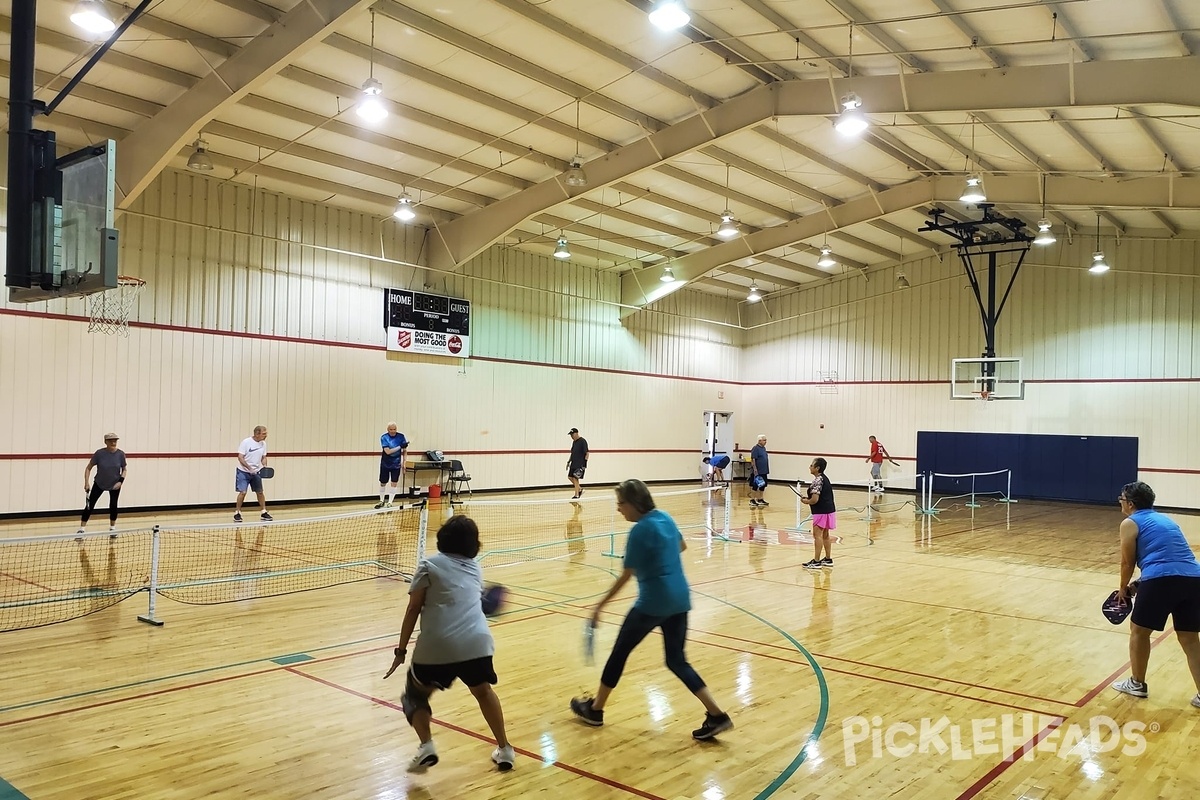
{"x":878,"y":35}
{"x":154,"y":143}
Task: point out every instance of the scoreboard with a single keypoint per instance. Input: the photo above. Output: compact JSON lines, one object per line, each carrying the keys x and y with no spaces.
{"x":427,"y":323}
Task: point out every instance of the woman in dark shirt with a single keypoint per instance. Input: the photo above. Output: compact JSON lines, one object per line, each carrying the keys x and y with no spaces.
{"x":824,"y":514}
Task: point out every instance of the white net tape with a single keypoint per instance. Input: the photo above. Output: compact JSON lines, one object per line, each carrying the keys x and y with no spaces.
{"x":110,"y":309}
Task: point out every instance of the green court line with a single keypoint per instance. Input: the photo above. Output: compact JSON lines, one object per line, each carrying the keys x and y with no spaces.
{"x":295,"y":658}
{"x":10,"y":792}
{"x":822,"y":715}
{"x":255,"y":661}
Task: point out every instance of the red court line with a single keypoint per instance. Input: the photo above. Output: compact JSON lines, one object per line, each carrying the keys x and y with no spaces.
{"x":212,"y":681}
{"x":999,"y":769}
{"x":31,"y":583}
{"x":481,"y":737}
{"x":946,"y":608}
{"x":841,"y":671}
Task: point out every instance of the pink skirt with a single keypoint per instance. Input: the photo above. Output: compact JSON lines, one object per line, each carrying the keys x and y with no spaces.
{"x":826,"y":521}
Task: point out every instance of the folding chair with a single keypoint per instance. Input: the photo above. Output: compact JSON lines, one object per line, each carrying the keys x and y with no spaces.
{"x":457,"y":479}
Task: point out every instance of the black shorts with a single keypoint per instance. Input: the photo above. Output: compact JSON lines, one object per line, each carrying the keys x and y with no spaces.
{"x":387,"y":474}
{"x":442,"y":676}
{"x":576,"y":472}
{"x":1175,"y":596}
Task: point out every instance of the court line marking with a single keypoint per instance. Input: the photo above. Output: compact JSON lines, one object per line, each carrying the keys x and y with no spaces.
{"x":999,"y":769}
{"x":878,"y":679}
{"x":10,"y":792}
{"x":216,"y":668}
{"x":946,"y":608}
{"x":482,"y":737}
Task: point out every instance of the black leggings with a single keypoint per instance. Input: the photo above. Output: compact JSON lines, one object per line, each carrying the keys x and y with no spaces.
{"x":637,"y":626}
{"x":113,"y":495}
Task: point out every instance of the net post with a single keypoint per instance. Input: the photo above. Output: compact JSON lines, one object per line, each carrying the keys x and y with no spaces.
{"x":925,"y":508}
{"x":422,"y":531}
{"x":727,"y":533}
{"x":972,"y":503}
{"x":1008,"y":489}
{"x":152,"y":585}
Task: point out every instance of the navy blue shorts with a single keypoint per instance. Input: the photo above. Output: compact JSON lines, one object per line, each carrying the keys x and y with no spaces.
{"x":389,"y":474}
{"x":1174,"y":596}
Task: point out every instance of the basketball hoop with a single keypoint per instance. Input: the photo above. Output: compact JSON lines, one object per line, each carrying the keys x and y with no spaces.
{"x":983,"y":395}
{"x":110,"y":309}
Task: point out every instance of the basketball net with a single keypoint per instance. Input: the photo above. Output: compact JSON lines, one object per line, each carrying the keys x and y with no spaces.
{"x":984,"y":395}
{"x":110,"y":310}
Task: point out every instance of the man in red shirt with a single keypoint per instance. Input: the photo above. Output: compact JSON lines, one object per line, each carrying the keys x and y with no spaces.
{"x":878,"y":453}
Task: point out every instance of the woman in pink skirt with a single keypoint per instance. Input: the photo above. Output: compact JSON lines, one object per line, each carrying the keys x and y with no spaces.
{"x":824,"y":514}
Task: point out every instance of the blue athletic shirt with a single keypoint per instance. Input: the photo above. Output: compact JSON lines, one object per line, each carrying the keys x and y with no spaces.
{"x":653,"y":554}
{"x":1161,"y":548}
{"x":387,"y":440}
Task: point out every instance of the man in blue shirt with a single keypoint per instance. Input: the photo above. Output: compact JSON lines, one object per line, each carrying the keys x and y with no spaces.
{"x":652,"y":555}
{"x":393,"y":448}
{"x":1169,"y":586}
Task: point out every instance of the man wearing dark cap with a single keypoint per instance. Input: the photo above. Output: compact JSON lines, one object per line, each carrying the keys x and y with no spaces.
{"x":577,"y":463}
{"x":110,"y":477}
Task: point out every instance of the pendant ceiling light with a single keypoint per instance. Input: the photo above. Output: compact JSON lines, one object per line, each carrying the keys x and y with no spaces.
{"x":200,"y":160}
{"x":404,"y":208}
{"x":669,"y":15}
{"x":93,"y":17}
{"x":560,"y":248}
{"x":826,"y":260}
{"x":370,"y":103}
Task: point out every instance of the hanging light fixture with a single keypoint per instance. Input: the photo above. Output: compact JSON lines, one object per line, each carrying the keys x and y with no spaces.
{"x":560,"y":248}
{"x":852,"y":121}
{"x":1044,"y":235}
{"x":669,"y":15}
{"x":200,"y":160}
{"x":93,"y":17}
{"x":729,"y":227}
{"x":576,"y":177}
{"x":902,"y":281}
{"x":1099,"y":265}
{"x":667,"y":275}
{"x":973,"y":191}
{"x":404,"y":208}
{"x":754,"y":295}
{"x":826,"y":260}
{"x":370,"y":105}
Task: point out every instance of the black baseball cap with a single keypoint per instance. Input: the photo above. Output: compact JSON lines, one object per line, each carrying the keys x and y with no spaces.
{"x":573,"y":430}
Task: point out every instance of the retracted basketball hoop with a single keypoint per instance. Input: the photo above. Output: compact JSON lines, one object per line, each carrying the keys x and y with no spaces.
{"x":110,"y":310}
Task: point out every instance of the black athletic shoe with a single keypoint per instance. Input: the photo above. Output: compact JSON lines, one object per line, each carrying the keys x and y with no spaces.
{"x":763,"y":503}
{"x":713,"y":724}
{"x":583,"y":709}
{"x":237,"y":517}
{"x":379,"y":505}
{"x":814,"y":564}
{"x":265,"y":517}
{"x":826,"y":562}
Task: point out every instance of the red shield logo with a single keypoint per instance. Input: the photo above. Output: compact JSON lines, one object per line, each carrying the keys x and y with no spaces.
{"x":454,"y":344}
{"x":404,"y":339}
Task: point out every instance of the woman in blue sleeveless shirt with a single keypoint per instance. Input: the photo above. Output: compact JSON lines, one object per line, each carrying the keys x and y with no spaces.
{"x":1169,"y":585}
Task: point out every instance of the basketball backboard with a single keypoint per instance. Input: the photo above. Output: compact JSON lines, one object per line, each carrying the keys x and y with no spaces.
{"x":986,"y":378}
{"x":74,"y":245}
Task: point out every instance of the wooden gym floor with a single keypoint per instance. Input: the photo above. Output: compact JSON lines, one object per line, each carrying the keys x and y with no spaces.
{"x":981,"y":627}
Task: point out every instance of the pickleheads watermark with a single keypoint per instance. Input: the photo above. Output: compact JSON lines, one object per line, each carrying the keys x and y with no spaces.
{"x":1010,"y":735}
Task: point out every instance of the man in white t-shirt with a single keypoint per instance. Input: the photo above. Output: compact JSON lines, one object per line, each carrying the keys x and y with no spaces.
{"x":252,"y":457}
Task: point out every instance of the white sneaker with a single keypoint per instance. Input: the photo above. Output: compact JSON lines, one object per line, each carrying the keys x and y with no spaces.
{"x":1131,"y":687}
{"x":426,"y":756}
{"x":503,"y":758}
{"x":112,"y":531}
{"x":79,"y":534}
{"x":1196,"y":700}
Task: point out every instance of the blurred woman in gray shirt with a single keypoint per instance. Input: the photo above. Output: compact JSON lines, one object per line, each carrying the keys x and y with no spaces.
{"x":455,"y":642}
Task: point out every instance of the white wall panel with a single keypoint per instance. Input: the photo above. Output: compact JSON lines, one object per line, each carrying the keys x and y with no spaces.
{"x":242,"y":325}
{"x":1117,"y":354}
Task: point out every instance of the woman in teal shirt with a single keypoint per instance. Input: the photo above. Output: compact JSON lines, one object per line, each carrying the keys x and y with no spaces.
{"x":1169,"y":585}
{"x":652,"y":555}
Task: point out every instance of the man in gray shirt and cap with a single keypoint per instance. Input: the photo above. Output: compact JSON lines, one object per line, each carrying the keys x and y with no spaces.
{"x":109,"y":463}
